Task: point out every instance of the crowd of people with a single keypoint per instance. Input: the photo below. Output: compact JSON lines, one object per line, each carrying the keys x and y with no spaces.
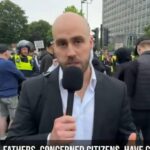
{"x":105,"y":108}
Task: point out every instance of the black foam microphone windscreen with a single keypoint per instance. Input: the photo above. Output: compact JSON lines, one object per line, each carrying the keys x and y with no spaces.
{"x":72,"y":81}
{"x":72,"y":78}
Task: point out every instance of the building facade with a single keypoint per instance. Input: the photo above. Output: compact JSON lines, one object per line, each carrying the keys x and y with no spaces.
{"x":125,"y":20}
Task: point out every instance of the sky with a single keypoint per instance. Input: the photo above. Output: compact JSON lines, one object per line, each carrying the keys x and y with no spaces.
{"x":48,"y":10}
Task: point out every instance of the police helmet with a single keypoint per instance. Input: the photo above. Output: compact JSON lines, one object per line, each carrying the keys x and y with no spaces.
{"x":24,"y":43}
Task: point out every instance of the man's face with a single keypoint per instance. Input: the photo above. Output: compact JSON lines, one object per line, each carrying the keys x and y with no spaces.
{"x":72,"y":45}
{"x":7,"y":54}
{"x":24,"y":51}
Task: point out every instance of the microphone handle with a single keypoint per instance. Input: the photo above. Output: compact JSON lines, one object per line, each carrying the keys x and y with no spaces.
{"x":70,"y":103}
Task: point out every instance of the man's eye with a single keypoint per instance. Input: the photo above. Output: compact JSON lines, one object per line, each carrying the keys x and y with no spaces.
{"x":78,"y":41}
{"x":62,"y":44}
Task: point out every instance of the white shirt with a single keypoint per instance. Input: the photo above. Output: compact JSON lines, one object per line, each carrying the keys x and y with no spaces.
{"x":53,"y":66}
{"x":83,"y":110}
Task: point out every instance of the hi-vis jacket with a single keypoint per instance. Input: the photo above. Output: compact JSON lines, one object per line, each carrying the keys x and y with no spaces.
{"x":23,"y":65}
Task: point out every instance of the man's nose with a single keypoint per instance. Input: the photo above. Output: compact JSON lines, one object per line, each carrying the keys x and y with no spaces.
{"x":71,"y":51}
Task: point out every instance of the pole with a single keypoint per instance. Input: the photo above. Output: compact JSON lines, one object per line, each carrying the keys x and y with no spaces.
{"x":87,"y":10}
{"x":81,"y":7}
{"x":101,"y":41}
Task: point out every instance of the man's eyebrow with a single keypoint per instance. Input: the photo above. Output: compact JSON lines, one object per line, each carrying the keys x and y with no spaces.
{"x":77,"y":37}
{"x":60,"y":40}
{"x":64,"y":39}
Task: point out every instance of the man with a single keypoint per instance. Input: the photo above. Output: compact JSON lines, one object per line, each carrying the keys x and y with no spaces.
{"x":100,"y":110}
{"x":107,"y":62}
{"x":137,"y":78}
{"x":10,"y":78}
{"x":123,"y":57}
{"x":47,"y":60}
{"x":98,"y":65}
{"x":25,"y":63}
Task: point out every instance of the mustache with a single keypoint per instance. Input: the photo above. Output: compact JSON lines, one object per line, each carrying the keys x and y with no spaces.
{"x":72,"y":61}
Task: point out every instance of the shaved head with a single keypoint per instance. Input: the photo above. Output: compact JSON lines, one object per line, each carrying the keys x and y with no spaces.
{"x":71,"y":20}
{"x":72,"y":41}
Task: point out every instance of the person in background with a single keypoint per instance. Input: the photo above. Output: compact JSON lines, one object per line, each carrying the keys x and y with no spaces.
{"x":123,"y":57}
{"x":106,"y":60}
{"x":34,"y":54}
{"x":25,"y":63}
{"x":100,"y":112}
{"x":10,"y":79}
{"x":98,"y":65}
{"x":47,"y":60}
{"x":54,"y":65}
{"x":137,"y":78}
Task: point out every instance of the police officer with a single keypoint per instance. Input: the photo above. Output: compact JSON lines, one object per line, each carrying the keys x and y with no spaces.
{"x":23,"y":61}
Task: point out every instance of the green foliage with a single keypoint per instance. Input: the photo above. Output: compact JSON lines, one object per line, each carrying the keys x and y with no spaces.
{"x":147,"y":30}
{"x":13,"y":22}
{"x":39,"y":30}
{"x":74,"y":10}
{"x":49,"y":35}
{"x":111,"y":46}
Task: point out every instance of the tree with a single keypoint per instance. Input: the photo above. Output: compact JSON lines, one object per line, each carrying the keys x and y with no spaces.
{"x":147,"y":30}
{"x":38,"y":30}
{"x":49,"y":35}
{"x":73,"y":9}
{"x":13,"y":22}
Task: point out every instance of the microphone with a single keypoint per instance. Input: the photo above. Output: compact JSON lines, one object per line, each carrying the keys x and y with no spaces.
{"x":72,"y":81}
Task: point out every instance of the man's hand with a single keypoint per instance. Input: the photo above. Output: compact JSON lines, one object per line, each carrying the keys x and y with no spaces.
{"x":63,"y":131}
{"x":132,"y":139}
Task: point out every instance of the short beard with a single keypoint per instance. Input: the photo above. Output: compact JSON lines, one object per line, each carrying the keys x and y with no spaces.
{"x":83,"y":68}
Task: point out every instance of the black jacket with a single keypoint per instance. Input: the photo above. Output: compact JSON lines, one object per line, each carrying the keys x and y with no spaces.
{"x":46,"y":62}
{"x":140,"y":87}
{"x":40,"y":104}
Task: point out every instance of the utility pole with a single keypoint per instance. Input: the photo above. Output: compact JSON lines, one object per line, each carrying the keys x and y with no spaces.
{"x":82,"y":1}
{"x":101,"y":39}
{"x":87,"y":3}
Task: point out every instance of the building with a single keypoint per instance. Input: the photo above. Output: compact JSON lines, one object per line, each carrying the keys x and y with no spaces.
{"x":125,"y":20}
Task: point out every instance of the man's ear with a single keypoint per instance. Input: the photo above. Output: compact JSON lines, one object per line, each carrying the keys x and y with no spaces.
{"x":91,"y":42}
{"x":139,"y":51}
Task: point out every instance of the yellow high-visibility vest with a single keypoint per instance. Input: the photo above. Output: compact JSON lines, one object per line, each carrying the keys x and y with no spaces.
{"x":102,"y":57}
{"x":23,"y":65}
{"x":113,"y":58}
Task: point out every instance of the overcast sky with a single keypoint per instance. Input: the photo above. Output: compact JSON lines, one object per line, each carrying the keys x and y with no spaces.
{"x":49,"y":9}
